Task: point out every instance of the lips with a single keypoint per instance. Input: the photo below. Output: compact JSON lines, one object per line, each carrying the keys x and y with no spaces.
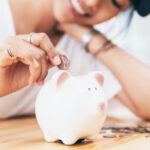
{"x":76,"y":8}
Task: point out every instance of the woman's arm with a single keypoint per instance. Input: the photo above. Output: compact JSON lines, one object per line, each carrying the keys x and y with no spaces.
{"x":133,"y":75}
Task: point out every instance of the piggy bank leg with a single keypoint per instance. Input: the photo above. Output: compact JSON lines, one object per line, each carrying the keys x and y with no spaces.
{"x":49,"y":138}
{"x":69,"y":141}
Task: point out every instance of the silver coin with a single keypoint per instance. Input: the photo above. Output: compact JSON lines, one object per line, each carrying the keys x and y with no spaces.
{"x":109,"y":136}
{"x":65,"y":62}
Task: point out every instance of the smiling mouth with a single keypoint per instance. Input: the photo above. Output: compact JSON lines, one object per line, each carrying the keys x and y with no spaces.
{"x":77,"y":9}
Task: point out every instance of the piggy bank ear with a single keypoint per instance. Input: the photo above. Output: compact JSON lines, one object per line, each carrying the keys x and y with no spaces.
{"x":99,"y":77}
{"x":60,"y":77}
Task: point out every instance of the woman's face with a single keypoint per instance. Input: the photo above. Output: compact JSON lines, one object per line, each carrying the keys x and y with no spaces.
{"x":88,"y":12}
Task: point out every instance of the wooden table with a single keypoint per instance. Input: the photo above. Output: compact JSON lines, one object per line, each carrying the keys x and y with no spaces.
{"x":25,"y":134}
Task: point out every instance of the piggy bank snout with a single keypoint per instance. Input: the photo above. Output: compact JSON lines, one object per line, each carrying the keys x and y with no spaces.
{"x":102,"y":107}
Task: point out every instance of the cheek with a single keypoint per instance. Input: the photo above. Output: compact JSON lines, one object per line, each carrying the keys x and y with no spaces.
{"x":105,"y":12}
{"x":62,"y":11}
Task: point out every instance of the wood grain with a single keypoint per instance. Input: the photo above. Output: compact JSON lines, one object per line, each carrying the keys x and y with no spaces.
{"x":25,"y":134}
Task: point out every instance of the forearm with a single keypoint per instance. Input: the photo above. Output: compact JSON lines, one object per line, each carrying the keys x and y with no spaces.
{"x":133,"y":75}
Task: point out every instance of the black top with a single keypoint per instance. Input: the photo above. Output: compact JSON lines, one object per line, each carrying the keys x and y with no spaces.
{"x":142,"y":6}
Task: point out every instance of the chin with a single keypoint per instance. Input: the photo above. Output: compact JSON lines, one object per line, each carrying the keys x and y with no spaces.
{"x":61,"y":19}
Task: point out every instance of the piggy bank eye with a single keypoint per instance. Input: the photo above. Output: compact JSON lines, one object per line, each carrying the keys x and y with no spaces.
{"x":96,"y":88}
{"x":89,"y":89}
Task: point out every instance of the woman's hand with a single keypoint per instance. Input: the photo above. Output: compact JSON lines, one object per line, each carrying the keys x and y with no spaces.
{"x":29,"y":64}
{"x":77,"y":31}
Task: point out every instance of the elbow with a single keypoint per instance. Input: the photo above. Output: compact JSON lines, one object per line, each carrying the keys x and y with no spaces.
{"x":144,"y":115}
{"x":143,"y":110}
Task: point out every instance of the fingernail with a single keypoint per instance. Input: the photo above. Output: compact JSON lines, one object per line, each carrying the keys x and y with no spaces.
{"x":31,"y":84}
{"x":40,"y":82}
{"x":57,"y":60}
{"x":35,"y":62}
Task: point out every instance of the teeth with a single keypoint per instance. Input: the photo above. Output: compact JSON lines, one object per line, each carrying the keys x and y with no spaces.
{"x":77,"y":7}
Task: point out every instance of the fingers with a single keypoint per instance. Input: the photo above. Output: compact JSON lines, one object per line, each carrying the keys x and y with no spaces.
{"x":5,"y":58}
{"x":44,"y":70}
{"x":35,"y":70}
{"x":42,"y":40}
{"x":39,"y":56}
{"x":28,"y":54}
{"x":38,"y":66}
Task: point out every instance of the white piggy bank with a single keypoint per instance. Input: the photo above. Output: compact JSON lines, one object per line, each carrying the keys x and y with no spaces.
{"x":71,"y":108}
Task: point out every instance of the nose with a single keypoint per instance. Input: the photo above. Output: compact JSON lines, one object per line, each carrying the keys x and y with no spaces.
{"x":93,"y":6}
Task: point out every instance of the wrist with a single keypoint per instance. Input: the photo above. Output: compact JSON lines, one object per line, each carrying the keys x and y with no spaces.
{"x":109,"y":56}
{"x":96,"y":43}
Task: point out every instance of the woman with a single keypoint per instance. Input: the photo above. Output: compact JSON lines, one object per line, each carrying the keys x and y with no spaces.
{"x":46,"y":11}
{"x":24,"y":57}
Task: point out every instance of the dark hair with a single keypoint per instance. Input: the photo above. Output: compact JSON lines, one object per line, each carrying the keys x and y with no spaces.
{"x":142,"y":6}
